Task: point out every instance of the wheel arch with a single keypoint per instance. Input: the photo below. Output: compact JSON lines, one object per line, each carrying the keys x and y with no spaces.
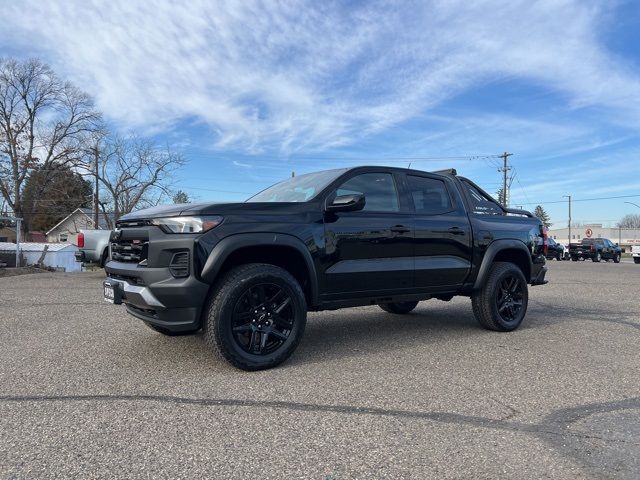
{"x":285,"y":251}
{"x":505,"y":250}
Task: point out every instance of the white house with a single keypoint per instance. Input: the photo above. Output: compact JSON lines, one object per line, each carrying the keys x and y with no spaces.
{"x":66,"y":231}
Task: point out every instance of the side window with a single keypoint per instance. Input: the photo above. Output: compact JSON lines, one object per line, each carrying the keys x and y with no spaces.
{"x":481,"y":203}
{"x":379,"y":191}
{"x":429,"y":195}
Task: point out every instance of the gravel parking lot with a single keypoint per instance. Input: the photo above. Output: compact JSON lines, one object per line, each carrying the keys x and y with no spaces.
{"x":87,"y":391}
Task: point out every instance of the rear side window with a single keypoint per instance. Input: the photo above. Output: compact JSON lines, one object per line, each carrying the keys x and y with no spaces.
{"x":429,"y":195}
{"x":379,"y":191}
{"x":482,"y":203}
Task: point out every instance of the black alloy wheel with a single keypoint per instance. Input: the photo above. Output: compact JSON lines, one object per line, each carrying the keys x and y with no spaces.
{"x":263,"y":319}
{"x":509,"y":298}
{"x":501,"y":303}
{"x":256,"y":316}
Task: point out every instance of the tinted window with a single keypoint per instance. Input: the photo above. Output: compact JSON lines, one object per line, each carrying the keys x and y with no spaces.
{"x":429,"y":196}
{"x":379,"y":191}
{"x":482,"y":203}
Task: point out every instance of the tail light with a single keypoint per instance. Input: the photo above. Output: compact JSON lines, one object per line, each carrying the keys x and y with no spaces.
{"x":80,"y":242}
{"x":545,"y":240}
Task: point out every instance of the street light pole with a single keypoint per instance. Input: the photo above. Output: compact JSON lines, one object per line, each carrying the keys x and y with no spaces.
{"x":569,"y":197}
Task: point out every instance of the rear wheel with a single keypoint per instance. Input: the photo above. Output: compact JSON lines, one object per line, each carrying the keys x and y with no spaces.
{"x":501,"y":303}
{"x":256,"y":316}
{"x":636,"y":259}
{"x":574,"y":259}
{"x":597,"y":258}
{"x":399,"y":308}
{"x":559,"y":256}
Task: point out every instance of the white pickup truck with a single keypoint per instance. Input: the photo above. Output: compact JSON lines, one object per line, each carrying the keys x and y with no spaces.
{"x":93,"y":246}
{"x":635,"y":253}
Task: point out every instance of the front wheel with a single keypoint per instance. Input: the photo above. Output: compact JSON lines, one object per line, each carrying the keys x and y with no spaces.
{"x":399,"y":308}
{"x":597,"y":258}
{"x":636,"y":259}
{"x":574,"y":259}
{"x":501,"y":303}
{"x":559,"y":257}
{"x":256,"y":316}
{"x":616,"y":259}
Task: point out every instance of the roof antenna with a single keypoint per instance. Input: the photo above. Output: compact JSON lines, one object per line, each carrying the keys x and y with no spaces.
{"x":409,"y":166}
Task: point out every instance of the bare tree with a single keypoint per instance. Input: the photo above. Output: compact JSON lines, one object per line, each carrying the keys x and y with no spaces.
{"x":632,"y":220}
{"x":43,"y":122}
{"x":134,"y":173}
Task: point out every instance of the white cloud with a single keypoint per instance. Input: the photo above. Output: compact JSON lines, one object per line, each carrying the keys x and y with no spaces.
{"x":287,"y":76}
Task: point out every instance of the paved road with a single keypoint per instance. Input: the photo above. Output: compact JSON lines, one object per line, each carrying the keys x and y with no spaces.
{"x":87,"y":391}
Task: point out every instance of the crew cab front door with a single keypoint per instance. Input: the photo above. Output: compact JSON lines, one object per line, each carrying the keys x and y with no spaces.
{"x":368,"y":252}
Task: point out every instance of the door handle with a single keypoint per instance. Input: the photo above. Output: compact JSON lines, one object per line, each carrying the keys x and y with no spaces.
{"x":457,"y":231}
{"x":400,"y":229}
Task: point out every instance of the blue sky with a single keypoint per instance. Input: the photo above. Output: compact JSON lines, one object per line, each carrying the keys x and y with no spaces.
{"x":251,"y":91}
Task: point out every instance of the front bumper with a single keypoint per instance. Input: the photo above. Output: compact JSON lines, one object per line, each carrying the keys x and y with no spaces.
{"x":155,"y":296}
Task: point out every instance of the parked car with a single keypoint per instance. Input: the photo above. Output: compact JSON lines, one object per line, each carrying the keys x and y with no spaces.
{"x":93,"y":246}
{"x":555,"y":250}
{"x":596,"y":249}
{"x":635,"y":253}
{"x":247,"y":273}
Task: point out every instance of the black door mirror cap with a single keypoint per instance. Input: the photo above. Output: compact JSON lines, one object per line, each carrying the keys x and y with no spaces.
{"x":347,"y":203}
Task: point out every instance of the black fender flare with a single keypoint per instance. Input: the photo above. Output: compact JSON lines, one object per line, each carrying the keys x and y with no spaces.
{"x":230,"y":244}
{"x":490,"y":254}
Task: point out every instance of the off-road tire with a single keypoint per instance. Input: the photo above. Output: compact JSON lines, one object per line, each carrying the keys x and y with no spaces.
{"x":217,"y":322}
{"x":484,"y":303}
{"x":597,"y":258}
{"x":399,"y":308}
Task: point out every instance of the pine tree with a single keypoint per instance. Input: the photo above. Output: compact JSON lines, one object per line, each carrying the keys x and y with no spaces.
{"x":543,"y":216}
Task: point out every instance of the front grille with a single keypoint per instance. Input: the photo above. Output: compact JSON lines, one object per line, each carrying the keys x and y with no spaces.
{"x":179,"y":265}
{"x":129,"y":245}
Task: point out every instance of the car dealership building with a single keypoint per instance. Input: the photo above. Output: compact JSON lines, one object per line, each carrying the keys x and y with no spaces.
{"x":625,"y":237}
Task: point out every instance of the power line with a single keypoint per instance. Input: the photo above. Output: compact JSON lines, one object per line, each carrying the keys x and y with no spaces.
{"x":583,"y":199}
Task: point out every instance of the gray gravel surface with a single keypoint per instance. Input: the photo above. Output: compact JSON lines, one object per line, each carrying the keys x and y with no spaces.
{"x":87,"y":391}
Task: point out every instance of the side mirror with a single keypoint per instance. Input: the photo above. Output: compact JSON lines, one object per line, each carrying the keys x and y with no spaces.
{"x":347,"y":203}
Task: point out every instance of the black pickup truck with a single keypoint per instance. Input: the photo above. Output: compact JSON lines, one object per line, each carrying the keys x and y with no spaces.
{"x":247,"y":273}
{"x":597,"y":249}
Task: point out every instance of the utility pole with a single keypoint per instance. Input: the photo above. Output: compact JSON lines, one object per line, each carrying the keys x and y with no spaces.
{"x":569,"y":197}
{"x":96,"y":156}
{"x":505,"y":168}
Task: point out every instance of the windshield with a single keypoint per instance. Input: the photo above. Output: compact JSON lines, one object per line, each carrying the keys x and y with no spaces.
{"x":298,"y":189}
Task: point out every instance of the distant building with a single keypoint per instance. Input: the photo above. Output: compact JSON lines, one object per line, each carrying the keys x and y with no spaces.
{"x":58,"y":256}
{"x":7,"y":234}
{"x":625,"y":237}
{"x":66,"y":231}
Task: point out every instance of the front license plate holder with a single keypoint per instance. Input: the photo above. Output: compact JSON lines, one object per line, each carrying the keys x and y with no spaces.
{"x":112,"y":292}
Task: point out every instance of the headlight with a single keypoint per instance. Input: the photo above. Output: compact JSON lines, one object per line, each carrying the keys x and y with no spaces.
{"x":187,"y":224}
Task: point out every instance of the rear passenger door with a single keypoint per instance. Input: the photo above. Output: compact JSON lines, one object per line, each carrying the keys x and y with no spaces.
{"x":442,"y":232}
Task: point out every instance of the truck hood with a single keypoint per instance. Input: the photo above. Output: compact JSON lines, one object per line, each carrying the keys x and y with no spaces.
{"x":256,"y":208}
